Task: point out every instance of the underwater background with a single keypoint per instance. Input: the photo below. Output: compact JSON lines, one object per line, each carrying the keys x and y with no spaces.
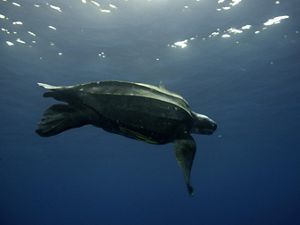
{"x":236,"y":61}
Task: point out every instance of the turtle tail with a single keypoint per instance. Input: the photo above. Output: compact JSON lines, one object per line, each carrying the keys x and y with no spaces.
{"x":60,"y":117}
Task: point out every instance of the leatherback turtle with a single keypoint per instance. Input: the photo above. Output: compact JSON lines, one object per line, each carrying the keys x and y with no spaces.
{"x":141,"y":111}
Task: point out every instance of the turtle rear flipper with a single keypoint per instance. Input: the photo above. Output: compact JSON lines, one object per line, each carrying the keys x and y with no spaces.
{"x":185,"y":149}
{"x":60,"y":117}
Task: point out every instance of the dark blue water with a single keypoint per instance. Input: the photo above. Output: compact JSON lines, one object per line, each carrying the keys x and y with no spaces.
{"x":247,"y":173}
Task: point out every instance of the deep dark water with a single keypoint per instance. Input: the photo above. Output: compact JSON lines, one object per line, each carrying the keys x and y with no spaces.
{"x":246,"y":173}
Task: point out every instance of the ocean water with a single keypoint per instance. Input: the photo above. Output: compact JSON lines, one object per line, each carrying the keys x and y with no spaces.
{"x":235,"y":61}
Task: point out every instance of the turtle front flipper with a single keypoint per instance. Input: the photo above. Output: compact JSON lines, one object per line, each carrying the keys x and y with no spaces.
{"x":185,"y":149}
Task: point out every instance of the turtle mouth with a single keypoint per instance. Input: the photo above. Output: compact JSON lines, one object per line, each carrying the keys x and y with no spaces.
{"x":207,"y":131}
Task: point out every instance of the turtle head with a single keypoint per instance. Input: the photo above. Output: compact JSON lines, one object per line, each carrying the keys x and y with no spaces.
{"x":203,"y":124}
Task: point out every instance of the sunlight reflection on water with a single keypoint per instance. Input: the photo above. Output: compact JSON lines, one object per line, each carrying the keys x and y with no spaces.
{"x":108,"y":7}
